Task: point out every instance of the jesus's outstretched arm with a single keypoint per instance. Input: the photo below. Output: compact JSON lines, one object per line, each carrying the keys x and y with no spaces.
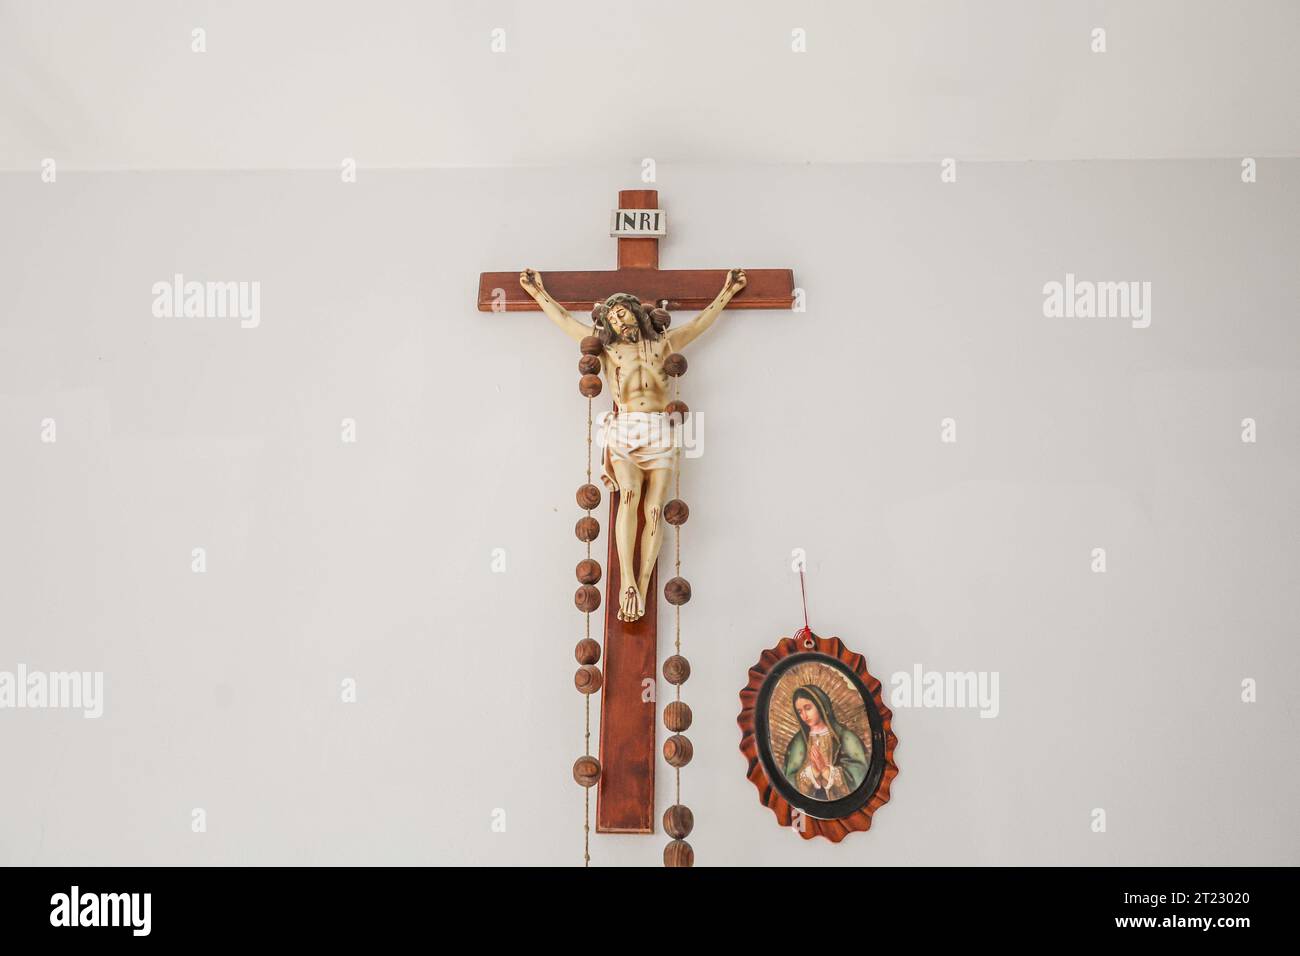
{"x":531,"y":280}
{"x":689,"y":332}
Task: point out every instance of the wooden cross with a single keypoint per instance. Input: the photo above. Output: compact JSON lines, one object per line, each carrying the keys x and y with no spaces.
{"x":625,"y":794}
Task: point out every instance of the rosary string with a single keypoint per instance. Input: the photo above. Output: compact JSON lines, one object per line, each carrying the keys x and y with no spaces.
{"x":586,"y":618}
{"x":677,"y":610}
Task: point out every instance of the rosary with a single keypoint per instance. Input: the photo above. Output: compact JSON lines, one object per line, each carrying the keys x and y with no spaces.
{"x":678,"y":820}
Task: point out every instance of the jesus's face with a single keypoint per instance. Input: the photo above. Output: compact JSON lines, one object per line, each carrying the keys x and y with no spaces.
{"x":623,"y":322}
{"x":809,"y":713}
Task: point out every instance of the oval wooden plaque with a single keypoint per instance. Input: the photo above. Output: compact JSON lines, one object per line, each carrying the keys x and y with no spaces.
{"x":818,"y":737}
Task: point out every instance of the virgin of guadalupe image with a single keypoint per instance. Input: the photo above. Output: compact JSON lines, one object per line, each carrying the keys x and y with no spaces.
{"x":825,"y":760}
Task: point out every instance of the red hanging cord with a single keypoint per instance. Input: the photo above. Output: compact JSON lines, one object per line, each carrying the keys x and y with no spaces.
{"x":804,"y":632}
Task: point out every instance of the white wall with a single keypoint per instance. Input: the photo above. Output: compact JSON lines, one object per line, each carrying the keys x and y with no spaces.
{"x":327,"y":560}
{"x":299,"y":84}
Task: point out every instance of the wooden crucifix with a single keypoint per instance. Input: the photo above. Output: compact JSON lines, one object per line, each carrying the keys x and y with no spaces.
{"x":633,"y":368}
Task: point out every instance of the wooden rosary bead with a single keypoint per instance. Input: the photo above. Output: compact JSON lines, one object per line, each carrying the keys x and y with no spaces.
{"x":590,"y":365}
{"x":588,"y":497}
{"x":588,"y":571}
{"x":676,"y":512}
{"x":677,"y":669}
{"x":587,"y":679}
{"x":677,"y":715}
{"x":590,"y":345}
{"x":678,"y":750}
{"x":677,"y":591}
{"x":586,"y":771}
{"x":679,"y":821}
{"x":587,"y":598}
{"x":675,"y":364}
{"x":588,"y":652}
{"x":660,"y":319}
{"x":589,"y":385}
{"x":679,"y":853}
{"x":677,"y":410}
{"x":587,"y":529}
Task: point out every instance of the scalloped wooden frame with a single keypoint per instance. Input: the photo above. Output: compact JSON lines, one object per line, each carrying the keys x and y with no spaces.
{"x":806,"y":642}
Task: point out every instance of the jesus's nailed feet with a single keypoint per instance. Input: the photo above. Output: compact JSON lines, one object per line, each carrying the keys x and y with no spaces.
{"x":631,"y":606}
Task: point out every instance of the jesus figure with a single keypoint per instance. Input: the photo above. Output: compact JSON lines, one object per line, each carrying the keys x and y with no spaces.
{"x":640,"y":442}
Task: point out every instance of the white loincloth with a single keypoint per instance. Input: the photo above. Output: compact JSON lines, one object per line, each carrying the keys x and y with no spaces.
{"x":647,"y":439}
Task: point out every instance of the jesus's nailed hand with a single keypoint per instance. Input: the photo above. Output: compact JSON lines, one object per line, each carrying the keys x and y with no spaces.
{"x":531,"y":280}
{"x":736,"y":280}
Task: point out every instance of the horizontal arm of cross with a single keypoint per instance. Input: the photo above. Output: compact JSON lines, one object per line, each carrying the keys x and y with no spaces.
{"x":685,"y":289}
